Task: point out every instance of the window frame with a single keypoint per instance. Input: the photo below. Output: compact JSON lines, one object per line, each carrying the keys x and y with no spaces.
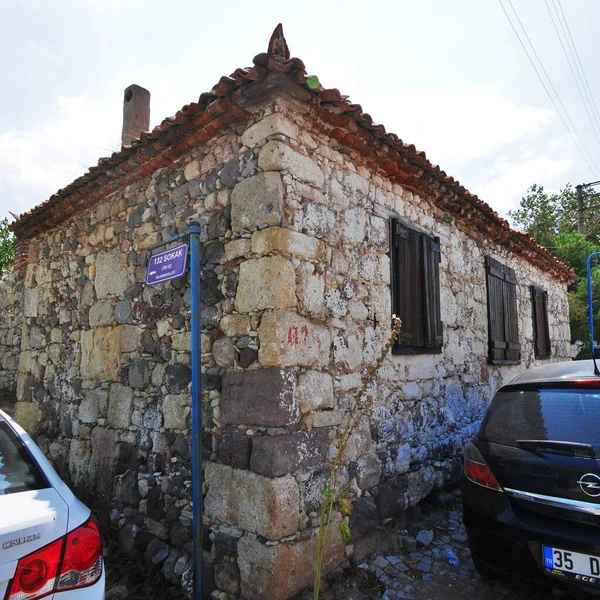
{"x":19,"y":452}
{"x":421,"y":268}
{"x":501,"y":281}
{"x":538,"y":294}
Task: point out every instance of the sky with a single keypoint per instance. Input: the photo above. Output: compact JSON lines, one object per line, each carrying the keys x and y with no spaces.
{"x":446,"y":75}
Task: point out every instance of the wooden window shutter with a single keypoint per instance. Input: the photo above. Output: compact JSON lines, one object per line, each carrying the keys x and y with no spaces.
{"x":541,"y":329}
{"x":415,"y":262}
{"x":503,"y":324}
{"x":434,"y":329}
{"x":403,"y":277}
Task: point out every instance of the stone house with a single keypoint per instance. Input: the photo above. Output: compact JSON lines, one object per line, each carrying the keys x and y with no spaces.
{"x":317,"y":226}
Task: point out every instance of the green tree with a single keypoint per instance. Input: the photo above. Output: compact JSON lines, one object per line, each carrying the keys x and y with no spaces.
{"x":578,"y":311}
{"x":7,"y":248}
{"x":573,"y":249}
{"x":538,"y":215}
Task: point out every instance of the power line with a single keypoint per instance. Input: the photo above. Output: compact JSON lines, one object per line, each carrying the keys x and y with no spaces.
{"x":553,"y":89}
{"x":589,"y":91}
{"x":546,"y":88}
{"x":571,"y":62}
{"x":577,"y":61}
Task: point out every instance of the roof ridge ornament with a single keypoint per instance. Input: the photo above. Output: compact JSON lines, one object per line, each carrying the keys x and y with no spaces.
{"x":278,"y":48}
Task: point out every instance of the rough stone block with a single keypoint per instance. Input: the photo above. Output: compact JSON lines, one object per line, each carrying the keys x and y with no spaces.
{"x":112,"y":277}
{"x":323,"y":418}
{"x":101,"y":353}
{"x":287,"y":339}
{"x":402,"y":461}
{"x":354,"y":225}
{"x":32,"y":299}
{"x":227,"y":577}
{"x":235,"y":325}
{"x":266,"y":507}
{"x":278,"y":239}
{"x":420,"y":483}
{"x":236,"y":248}
{"x":182,"y":341}
{"x":256,"y":202}
{"x":139,"y":374}
{"x":348,"y":350}
{"x":318,"y":220}
{"x":101,"y":313}
{"x":176,"y":410}
{"x":235,"y":447}
{"x":368,"y":472}
{"x":391,"y":497}
{"x":177,"y":377}
{"x":223,"y":352}
{"x":79,"y":460}
{"x":273,"y":456}
{"x":357,"y":185}
{"x":130,"y":338}
{"x":359,"y":440}
{"x":276,"y":156}
{"x":268,"y":282}
{"x":192,"y":170}
{"x":315,"y":391}
{"x":271,"y":125}
{"x":26,"y":361}
{"x":122,"y":311}
{"x":363,"y":519}
{"x":310,"y":290}
{"x":280,"y":572}
{"x":105,"y":453}
{"x":28,"y":416}
{"x":93,"y":406}
{"x":264,"y":397}
{"x":120,"y":405}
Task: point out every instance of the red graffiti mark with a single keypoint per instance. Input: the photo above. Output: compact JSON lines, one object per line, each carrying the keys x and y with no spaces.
{"x":298,"y":336}
{"x":293,"y":335}
{"x":304,"y":331}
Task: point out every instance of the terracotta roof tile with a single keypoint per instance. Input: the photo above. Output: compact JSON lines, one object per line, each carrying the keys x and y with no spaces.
{"x":349,"y":125}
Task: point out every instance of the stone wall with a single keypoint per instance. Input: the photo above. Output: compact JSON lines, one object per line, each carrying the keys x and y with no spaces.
{"x":105,"y":367}
{"x":296,"y":306}
{"x":11,"y":301}
{"x":314,"y":285}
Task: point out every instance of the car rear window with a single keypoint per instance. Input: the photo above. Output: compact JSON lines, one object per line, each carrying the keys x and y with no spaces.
{"x":18,"y":472}
{"x":566,"y":414}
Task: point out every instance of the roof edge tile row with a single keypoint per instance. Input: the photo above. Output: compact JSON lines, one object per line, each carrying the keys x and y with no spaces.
{"x":353,"y":129}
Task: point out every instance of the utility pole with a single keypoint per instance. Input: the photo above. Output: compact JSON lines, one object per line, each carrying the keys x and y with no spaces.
{"x":580,"y":209}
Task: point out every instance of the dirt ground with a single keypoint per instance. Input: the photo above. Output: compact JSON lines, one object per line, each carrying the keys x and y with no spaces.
{"x":419,"y":568}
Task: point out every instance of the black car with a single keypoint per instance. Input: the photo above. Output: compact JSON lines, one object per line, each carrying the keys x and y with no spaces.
{"x":531,"y":486}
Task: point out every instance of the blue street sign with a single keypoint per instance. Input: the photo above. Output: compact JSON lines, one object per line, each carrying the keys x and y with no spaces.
{"x":167,"y":265}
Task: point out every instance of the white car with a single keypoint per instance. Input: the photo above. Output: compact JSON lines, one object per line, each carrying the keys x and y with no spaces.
{"x":50,"y":544}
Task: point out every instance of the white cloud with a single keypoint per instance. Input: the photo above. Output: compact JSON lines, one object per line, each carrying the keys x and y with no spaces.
{"x":36,"y":163}
{"x":457,"y":124}
{"x":511,"y":178}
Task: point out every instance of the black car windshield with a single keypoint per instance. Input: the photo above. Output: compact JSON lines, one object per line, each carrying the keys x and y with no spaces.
{"x":566,"y":414}
{"x":18,"y":472}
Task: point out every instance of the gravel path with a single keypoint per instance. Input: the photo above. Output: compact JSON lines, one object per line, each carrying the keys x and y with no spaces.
{"x":421,"y":570}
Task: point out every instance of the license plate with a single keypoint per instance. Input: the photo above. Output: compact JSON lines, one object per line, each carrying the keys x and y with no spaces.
{"x":582,"y":567}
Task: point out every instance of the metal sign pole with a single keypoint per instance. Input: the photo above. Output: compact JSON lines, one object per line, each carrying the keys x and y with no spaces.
{"x":197,"y":428}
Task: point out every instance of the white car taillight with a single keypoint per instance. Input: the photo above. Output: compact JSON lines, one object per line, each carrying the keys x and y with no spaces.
{"x":72,"y":562}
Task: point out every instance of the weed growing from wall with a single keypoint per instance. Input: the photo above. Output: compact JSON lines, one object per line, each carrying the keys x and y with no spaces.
{"x":332,"y":494}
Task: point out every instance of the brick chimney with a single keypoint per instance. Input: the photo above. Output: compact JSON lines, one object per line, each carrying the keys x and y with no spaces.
{"x":136,"y":113}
